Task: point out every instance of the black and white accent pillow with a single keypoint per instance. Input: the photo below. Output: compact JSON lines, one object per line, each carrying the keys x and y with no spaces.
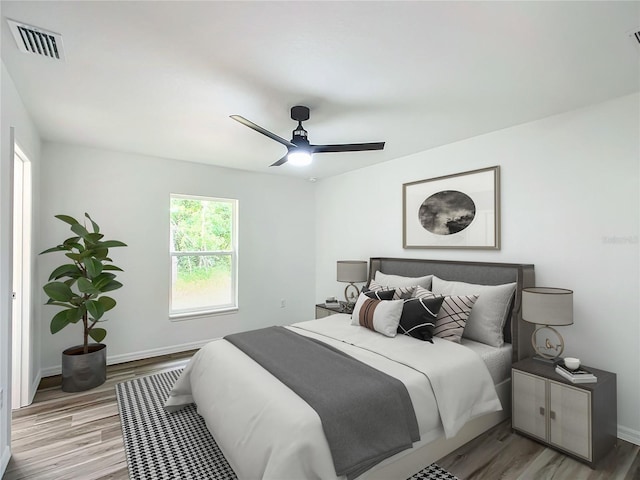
{"x":379,"y":294}
{"x":400,"y":293}
{"x":453,"y":314}
{"x":419,"y":317}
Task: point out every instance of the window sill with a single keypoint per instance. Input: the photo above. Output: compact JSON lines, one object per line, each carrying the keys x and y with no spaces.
{"x":178,"y":317}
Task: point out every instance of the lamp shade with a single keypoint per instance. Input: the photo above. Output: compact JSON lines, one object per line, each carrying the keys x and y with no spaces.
{"x":547,"y":306}
{"x":352,"y":271}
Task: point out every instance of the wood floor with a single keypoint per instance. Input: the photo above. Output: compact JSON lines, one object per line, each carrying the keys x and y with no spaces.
{"x":77,"y":436}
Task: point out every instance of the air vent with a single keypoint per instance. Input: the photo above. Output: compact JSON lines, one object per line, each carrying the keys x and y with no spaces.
{"x":36,"y":40}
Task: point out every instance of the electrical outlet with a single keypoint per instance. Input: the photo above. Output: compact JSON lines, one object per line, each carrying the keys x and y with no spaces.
{"x":283,"y":303}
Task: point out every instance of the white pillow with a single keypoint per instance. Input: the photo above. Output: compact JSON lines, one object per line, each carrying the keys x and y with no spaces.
{"x":400,"y":293}
{"x":399,"y":281}
{"x":382,"y":316}
{"x":489,"y":313}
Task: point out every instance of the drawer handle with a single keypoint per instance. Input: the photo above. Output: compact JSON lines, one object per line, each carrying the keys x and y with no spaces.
{"x":553,"y":415}
{"x":542,"y":411}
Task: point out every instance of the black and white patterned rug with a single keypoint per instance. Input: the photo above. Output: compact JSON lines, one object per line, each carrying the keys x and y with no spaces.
{"x":163,"y":446}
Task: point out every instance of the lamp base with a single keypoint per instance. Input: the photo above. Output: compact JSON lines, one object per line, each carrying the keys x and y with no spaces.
{"x":354,"y":296}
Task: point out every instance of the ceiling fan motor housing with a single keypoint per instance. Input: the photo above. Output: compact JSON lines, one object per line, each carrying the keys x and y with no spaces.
{"x":300,"y":113}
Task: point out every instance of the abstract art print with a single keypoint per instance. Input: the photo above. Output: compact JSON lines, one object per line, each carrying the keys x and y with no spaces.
{"x":454,"y":211}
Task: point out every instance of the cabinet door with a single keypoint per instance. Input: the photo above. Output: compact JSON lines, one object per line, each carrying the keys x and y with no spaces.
{"x":529,"y":402}
{"x":322,"y":312}
{"x":570,"y":419}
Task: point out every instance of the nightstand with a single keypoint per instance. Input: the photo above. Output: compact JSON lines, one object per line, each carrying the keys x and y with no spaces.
{"x":579,"y":419}
{"x":323,"y":311}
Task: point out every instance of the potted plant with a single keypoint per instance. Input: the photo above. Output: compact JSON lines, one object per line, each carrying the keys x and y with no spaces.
{"x":79,"y":287}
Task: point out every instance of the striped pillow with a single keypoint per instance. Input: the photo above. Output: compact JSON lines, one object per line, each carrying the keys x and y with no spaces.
{"x":381,"y":316}
{"x":453,"y":315}
{"x":400,"y":293}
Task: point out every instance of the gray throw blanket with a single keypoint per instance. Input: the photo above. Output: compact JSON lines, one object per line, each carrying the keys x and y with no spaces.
{"x":366,"y":415}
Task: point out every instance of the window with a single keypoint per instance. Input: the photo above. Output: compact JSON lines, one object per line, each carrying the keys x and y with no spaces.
{"x":204,"y":255}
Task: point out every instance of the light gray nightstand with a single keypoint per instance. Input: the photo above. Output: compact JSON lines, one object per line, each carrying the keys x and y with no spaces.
{"x":579,"y":419}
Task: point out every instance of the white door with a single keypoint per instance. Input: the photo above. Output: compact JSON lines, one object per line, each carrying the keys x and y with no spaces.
{"x":21,"y":326}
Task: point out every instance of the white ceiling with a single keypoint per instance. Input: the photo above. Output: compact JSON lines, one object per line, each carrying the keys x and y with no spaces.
{"x":162,"y":78}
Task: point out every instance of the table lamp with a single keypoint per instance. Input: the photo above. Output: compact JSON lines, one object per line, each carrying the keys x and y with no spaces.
{"x":352,"y":271}
{"x":547,"y":307}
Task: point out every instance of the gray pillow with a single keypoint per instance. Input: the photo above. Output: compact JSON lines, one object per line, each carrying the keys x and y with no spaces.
{"x":489,"y":313}
{"x":398,"y":281}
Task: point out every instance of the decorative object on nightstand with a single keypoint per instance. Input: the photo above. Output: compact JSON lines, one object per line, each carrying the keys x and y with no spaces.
{"x":578,"y":419}
{"x":547,"y":307}
{"x":351,"y":271}
{"x":324,"y":310}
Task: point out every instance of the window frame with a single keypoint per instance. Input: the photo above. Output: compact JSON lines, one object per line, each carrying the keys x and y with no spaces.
{"x":187,"y":313}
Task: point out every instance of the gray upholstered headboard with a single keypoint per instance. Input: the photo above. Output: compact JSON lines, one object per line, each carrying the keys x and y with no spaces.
{"x":516,"y":330}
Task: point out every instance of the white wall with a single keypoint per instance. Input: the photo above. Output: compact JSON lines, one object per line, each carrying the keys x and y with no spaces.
{"x":14,"y":115}
{"x":570,"y":205}
{"x":128,"y":196}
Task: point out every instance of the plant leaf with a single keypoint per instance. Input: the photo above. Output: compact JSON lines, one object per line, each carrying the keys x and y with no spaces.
{"x":59,"y":248}
{"x":102,"y":280}
{"x":111,"y":267}
{"x":59,"y":321}
{"x":74,"y":256}
{"x":79,"y":230}
{"x":110,"y":244}
{"x":66,"y":270}
{"x":58,"y":304}
{"x":107,"y":302}
{"x":93,"y":237}
{"x":58,"y":291}
{"x":75,"y":314}
{"x":67,"y":219}
{"x":111,"y":285}
{"x":85,"y":286}
{"x":94,"y":267}
{"x":95,"y":309}
{"x":98,"y":334}
{"x":96,"y":228}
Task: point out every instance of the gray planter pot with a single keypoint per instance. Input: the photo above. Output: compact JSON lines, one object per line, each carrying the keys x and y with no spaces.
{"x":82,"y":371}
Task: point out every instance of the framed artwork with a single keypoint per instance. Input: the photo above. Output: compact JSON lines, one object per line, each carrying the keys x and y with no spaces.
{"x":454,"y":211}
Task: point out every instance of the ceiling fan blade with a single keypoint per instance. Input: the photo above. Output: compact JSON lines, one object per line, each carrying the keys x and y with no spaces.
{"x":261,"y":130}
{"x":282,"y":161}
{"x":347,"y":147}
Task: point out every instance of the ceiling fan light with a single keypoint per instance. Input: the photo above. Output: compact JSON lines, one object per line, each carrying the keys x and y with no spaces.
{"x":299,"y":158}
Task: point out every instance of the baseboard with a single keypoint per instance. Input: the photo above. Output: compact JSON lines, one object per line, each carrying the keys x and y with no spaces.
{"x":129,"y":357}
{"x":628,"y":434}
{"x":4,"y":460}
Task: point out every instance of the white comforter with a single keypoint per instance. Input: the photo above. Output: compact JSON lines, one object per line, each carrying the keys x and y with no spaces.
{"x":267,"y":432}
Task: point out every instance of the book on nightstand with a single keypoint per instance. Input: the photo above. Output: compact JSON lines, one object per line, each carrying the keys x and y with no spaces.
{"x":579,"y":375}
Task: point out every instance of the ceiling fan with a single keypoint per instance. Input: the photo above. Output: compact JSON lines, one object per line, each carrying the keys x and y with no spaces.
{"x":299,"y":150}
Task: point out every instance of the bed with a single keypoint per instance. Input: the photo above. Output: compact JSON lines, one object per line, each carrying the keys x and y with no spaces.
{"x":265,"y":430}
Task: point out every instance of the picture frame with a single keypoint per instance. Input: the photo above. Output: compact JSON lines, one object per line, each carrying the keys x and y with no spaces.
{"x":461,"y":210}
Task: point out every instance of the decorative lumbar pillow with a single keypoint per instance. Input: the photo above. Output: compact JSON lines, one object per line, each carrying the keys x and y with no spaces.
{"x":379,"y":294}
{"x":381,"y":316}
{"x":419,"y":316}
{"x":489,"y":314}
{"x":453,"y":314}
{"x":401,"y":293}
{"x":387,"y":280}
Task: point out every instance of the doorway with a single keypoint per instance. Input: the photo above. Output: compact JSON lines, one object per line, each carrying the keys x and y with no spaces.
{"x":21,"y":307}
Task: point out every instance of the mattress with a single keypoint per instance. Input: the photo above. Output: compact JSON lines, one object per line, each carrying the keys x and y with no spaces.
{"x":497,"y":360}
